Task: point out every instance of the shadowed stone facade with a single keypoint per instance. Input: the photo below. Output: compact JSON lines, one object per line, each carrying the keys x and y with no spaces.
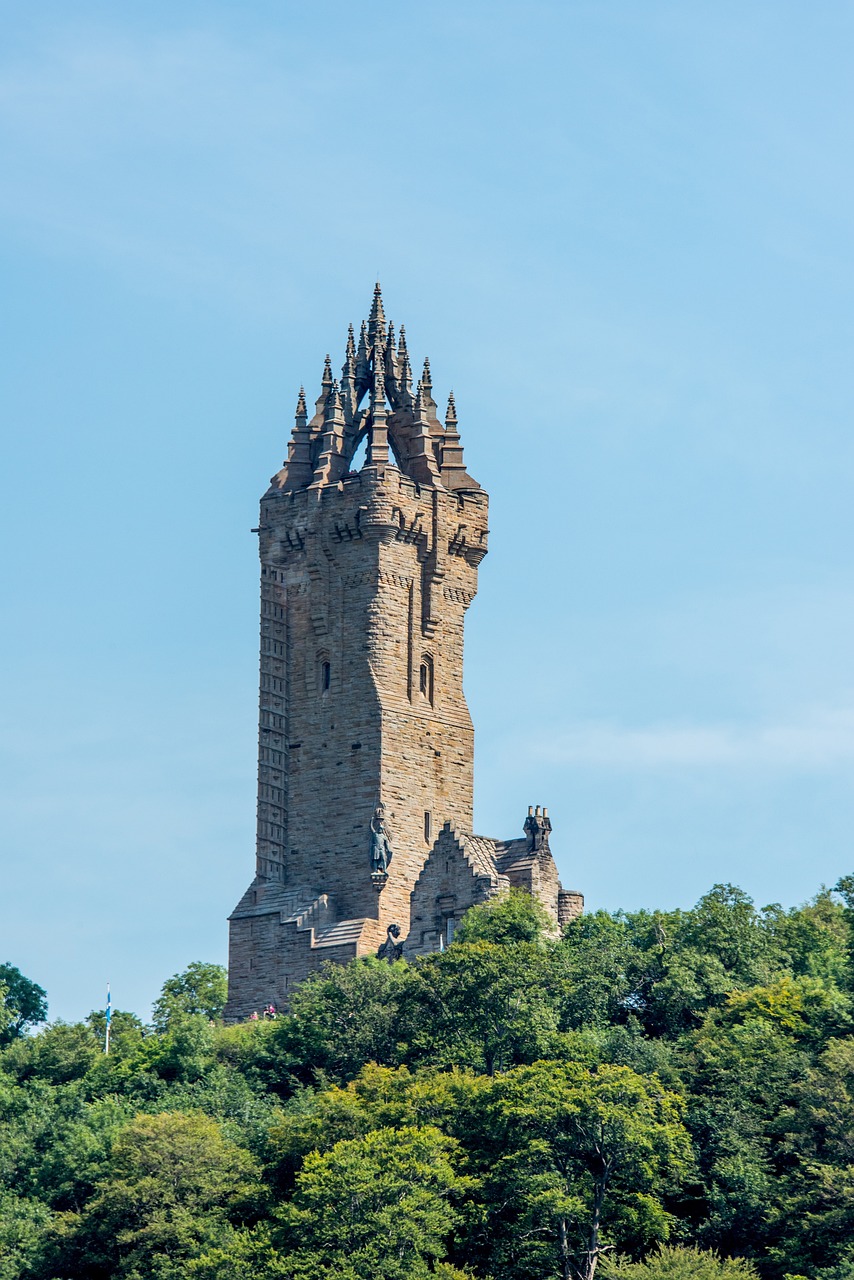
{"x":366,"y":745}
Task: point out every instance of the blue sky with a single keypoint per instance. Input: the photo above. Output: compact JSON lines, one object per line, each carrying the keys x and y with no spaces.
{"x":622,"y":233}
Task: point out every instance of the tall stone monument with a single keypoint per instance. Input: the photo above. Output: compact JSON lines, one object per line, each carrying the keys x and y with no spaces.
{"x":366,"y":746}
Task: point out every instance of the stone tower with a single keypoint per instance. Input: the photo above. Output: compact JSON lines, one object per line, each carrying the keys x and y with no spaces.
{"x":365,"y":739}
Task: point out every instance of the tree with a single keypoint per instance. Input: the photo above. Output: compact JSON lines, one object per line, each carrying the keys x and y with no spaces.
{"x":172,"y":1186}
{"x":381,"y":1205}
{"x":200,"y":989}
{"x":585,"y":1159}
{"x":23,"y":1004}
{"x":511,"y":917}
{"x":484,"y":1006}
{"x":682,"y":1263}
{"x":341,"y":1018}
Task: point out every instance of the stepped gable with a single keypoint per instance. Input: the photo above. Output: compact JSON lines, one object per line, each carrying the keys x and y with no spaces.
{"x":465,"y":869}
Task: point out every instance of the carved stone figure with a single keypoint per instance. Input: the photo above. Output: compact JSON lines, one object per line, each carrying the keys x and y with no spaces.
{"x":381,"y":851}
{"x":391,"y":949}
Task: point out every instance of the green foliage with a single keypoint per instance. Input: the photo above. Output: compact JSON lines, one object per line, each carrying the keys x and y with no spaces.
{"x":172,"y":1185}
{"x":378,"y":1205}
{"x":584,"y":1157}
{"x":202,"y":989}
{"x":681,"y":1263}
{"x":23,"y":1004}
{"x":511,"y":917}
{"x":659,"y":1093}
{"x":482,"y":1005}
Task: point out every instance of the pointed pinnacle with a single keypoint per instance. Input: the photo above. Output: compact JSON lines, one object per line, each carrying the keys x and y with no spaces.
{"x":401,"y":346}
{"x":451,"y":415}
{"x":376,"y":321}
{"x":427,"y":377}
{"x":301,"y":409}
{"x":351,"y":341}
{"x":333,"y":402}
{"x":327,"y":372}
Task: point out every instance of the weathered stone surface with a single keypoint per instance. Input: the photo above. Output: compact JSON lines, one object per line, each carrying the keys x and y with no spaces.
{"x":366,"y":577}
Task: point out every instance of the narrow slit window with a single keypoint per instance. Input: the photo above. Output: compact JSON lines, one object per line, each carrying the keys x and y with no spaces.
{"x":425,"y":677}
{"x":325,"y":676}
{"x":428,"y":824}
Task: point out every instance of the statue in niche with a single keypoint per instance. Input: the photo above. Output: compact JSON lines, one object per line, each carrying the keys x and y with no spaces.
{"x":391,"y":949}
{"x":381,"y":851}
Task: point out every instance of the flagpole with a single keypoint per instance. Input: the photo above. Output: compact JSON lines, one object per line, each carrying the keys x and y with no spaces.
{"x":109,"y":1011}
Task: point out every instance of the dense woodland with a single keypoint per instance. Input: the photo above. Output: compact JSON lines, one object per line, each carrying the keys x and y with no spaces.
{"x":655,"y":1094}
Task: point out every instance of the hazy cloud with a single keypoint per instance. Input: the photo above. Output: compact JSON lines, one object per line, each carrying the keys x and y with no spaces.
{"x":820,"y":739}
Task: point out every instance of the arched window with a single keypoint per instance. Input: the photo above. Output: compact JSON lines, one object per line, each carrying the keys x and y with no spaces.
{"x":324,"y":672}
{"x":425,"y":677}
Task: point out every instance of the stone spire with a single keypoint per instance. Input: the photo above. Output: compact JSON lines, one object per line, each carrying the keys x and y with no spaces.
{"x":348,"y":379}
{"x":325,"y":385}
{"x":453,"y":468}
{"x":426,"y":382}
{"x":378,"y":432}
{"x":297,"y":468}
{"x":391,"y":357}
{"x":331,"y":464}
{"x":404,"y":374}
{"x":376,"y":320}
{"x":424,"y":468}
{"x":363,"y":363}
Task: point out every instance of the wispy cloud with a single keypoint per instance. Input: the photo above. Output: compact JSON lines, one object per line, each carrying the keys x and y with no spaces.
{"x":821,"y":739}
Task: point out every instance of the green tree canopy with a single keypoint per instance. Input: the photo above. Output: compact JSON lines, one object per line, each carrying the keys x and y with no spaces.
{"x":682,"y":1263}
{"x":200,"y":989}
{"x":23,"y":1003}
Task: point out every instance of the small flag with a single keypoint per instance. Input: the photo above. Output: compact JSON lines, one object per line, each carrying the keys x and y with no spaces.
{"x":109,"y":1014}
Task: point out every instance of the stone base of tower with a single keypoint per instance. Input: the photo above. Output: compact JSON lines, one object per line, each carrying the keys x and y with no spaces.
{"x":277,"y":937}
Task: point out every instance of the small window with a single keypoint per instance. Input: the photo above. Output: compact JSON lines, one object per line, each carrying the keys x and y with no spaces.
{"x":325,"y":676}
{"x":425,"y":677}
{"x":428,"y":824}
{"x":450,"y":925}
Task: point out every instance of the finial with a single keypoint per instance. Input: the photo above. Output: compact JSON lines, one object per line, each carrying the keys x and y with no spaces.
{"x":405,"y":370}
{"x":426,"y":376}
{"x":351,"y":343}
{"x":401,"y":346}
{"x":451,"y":415}
{"x":376,"y":321}
{"x":327,"y":372}
{"x":333,"y":402}
{"x":302,"y":412}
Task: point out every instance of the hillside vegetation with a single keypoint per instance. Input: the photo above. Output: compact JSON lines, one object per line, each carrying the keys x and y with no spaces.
{"x":653,"y":1096}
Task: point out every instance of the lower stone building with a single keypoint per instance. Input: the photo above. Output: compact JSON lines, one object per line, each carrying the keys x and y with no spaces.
{"x":370,"y":539}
